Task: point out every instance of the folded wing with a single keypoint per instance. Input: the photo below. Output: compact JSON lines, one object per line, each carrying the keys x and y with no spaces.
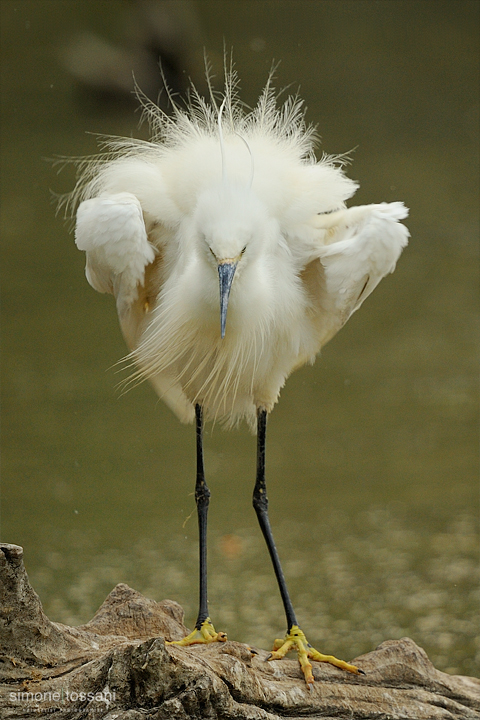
{"x":120,"y":260}
{"x":110,"y":228}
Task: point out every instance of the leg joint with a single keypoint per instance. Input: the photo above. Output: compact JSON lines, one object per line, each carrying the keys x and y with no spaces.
{"x":260,"y":500}
{"x":202,"y":494}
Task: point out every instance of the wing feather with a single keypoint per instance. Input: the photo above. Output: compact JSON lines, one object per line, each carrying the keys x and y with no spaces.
{"x":359,"y":247}
{"x":111,"y":230}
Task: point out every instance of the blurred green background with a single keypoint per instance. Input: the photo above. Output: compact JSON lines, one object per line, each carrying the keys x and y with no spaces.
{"x":372,"y":453}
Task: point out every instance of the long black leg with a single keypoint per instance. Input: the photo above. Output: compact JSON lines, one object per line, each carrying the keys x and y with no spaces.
{"x":260,"y":503}
{"x":202,"y":498}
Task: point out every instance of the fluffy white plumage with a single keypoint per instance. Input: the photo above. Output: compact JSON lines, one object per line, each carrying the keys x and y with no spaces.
{"x":158,"y":218}
{"x":111,"y":230}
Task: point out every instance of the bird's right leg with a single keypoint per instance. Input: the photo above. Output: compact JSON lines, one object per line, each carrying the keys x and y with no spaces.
{"x":204,"y":631}
{"x":295,"y":638}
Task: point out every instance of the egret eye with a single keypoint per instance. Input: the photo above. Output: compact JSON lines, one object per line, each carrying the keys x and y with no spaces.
{"x":212,"y":252}
{"x":244,"y":249}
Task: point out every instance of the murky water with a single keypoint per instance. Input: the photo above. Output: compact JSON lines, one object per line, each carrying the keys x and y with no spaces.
{"x":372,"y":453}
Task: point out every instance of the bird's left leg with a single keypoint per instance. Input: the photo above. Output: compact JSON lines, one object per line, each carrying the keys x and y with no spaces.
{"x":295,"y":638}
{"x":204,"y":631}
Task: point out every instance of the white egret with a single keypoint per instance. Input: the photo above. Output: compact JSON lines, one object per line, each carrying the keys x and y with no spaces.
{"x":228,"y":208}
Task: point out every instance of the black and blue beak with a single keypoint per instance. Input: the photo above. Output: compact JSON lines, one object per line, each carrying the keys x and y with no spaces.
{"x":226,"y":271}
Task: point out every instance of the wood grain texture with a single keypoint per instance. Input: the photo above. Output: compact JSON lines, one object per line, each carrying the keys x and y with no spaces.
{"x":117,"y":667}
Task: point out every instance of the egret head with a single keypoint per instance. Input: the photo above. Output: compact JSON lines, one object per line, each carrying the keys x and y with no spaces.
{"x":231,"y":224}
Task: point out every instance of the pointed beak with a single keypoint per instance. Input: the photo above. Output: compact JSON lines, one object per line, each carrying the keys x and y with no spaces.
{"x":226,"y":271}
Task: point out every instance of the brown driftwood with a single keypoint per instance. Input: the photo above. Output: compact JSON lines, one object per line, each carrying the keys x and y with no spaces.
{"x":117,"y":667}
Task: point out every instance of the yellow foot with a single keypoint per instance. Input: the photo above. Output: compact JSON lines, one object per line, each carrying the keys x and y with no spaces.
{"x":295,"y":638}
{"x":206,"y":634}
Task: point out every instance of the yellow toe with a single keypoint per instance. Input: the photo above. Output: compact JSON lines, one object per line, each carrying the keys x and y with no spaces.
{"x":205,"y":634}
{"x":295,"y":638}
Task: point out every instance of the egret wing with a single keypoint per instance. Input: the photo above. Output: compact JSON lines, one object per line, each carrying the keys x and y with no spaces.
{"x":360,"y":246}
{"x":111,"y":230}
{"x":120,"y":260}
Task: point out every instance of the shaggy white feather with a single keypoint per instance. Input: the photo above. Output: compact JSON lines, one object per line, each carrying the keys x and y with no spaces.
{"x":157,"y":218}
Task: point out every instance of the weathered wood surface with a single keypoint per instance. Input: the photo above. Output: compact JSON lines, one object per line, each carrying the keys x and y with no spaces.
{"x":117,"y":667}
